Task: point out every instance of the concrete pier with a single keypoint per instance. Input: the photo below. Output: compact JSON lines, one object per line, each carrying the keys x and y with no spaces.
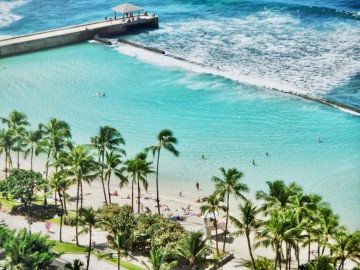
{"x":73,"y":34}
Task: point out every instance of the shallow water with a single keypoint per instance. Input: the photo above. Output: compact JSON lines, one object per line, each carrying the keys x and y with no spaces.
{"x":221,"y":108}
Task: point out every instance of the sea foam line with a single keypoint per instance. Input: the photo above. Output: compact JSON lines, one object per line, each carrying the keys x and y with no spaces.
{"x":172,"y":61}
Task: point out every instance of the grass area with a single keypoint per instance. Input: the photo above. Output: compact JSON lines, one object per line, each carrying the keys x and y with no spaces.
{"x":8,"y":204}
{"x":63,"y":247}
{"x":123,"y":264}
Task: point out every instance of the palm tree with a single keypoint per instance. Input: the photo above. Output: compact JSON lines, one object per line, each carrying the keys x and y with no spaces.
{"x":108,"y":138}
{"x":81,"y":165}
{"x":346,"y":245}
{"x":159,"y":258}
{"x":6,"y":145}
{"x":60,"y":182}
{"x":112,"y":166}
{"x":166,"y":140}
{"x":247,"y":223}
{"x":32,"y":140}
{"x":213,"y":207}
{"x":121,"y":242}
{"x":229,"y":185}
{"x":56,"y":136}
{"x":193,"y":248}
{"x":89,"y":219}
{"x":76,"y":265}
{"x":16,"y":121}
{"x":131,"y":169}
{"x":143,"y":169}
{"x":273,"y":234}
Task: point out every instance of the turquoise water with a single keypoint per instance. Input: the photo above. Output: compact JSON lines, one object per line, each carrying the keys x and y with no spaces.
{"x":222,"y":109}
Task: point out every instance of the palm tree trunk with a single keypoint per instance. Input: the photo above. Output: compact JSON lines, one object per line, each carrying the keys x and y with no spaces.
{"x":81,"y":195}
{"x":102,"y":176}
{"x":18,"y":156}
{"x":132,"y":195}
{"x":276,"y":259}
{"x":216,"y":235}
{"x":227,"y":219}
{"x":66,"y":213}
{"x":157,"y":182}
{"x":249,"y":246}
{"x":46,"y":175}
{"x":286,"y":255}
{"x":88,"y":258}
{"x":61,"y":216}
{"x":77,"y":211}
{"x":108,"y":184}
{"x":138,"y":182}
{"x":118,"y":259}
{"x":31,"y":158}
{"x":6,"y":161}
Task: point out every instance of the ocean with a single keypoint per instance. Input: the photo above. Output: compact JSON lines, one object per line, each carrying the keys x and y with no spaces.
{"x":219,"y":102}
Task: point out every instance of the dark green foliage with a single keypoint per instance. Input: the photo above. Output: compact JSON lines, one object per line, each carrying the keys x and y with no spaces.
{"x":31,"y":251}
{"x":260,"y":263}
{"x":22,"y":184}
{"x":155,"y":231}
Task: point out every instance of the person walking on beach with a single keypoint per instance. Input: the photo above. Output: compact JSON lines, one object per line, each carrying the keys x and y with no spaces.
{"x":197,"y":185}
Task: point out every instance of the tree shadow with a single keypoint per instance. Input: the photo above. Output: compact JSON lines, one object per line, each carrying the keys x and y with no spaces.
{"x":38,"y":212}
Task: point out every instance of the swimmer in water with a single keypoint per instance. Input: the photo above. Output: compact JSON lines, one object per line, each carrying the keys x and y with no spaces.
{"x":202,"y":156}
{"x":253,"y":162}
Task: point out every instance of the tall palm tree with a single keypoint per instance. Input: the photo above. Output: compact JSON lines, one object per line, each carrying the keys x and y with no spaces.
{"x":82,"y":167}
{"x":131,"y":169}
{"x":6,"y":145}
{"x":247,"y":223}
{"x":273,"y":234}
{"x":213,"y":207}
{"x":112,"y":164}
{"x":108,"y":138}
{"x":121,"y":242}
{"x":143,"y":169}
{"x":88,"y":218}
{"x":16,"y":121}
{"x":193,"y":249}
{"x":166,"y":140}
{"x":229,"y":184}
{"x":56,"y":136}
{"x":32,"y":140}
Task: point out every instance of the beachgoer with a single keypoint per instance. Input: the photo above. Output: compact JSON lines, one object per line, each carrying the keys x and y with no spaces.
{"x":48,"y":226}
{"x":319,"y":140}
{"x":267,"y":154}
{"x":105,"y":18}
{"x":197,"y":185}
{"x":202,"y":156}
{"x":253,"y":162}
{"x":180,"y":193}
{"x":147,"y":210}
{"x":142,"y":208}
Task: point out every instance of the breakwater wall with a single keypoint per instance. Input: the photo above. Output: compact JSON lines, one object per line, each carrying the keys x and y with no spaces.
{"x":73,"y":34}
{"x":140,"y":46}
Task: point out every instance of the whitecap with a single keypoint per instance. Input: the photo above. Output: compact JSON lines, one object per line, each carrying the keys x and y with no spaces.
{"x":6,"y":15}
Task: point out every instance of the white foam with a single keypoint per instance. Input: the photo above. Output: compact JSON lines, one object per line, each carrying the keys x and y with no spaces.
{"x":6,"y":15}
{"x":268,"y":48}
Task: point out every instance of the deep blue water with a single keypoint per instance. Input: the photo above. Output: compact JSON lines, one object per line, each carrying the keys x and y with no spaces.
{"x":222,"y":108}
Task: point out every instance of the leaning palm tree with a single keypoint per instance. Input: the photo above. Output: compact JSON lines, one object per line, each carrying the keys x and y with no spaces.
{"x":247,"y":223}
{"x":32,"y":140}
{"x":213,"y":207}
{"x":229,"y":184}
{"x":82,"y":167}
{"x":88,"y":218}
{"x":193,"y":249}
{"x":108,"y":138}
{"x":166,"y":140}
{"x":112,"y":163}
{"x":16,"y":121}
